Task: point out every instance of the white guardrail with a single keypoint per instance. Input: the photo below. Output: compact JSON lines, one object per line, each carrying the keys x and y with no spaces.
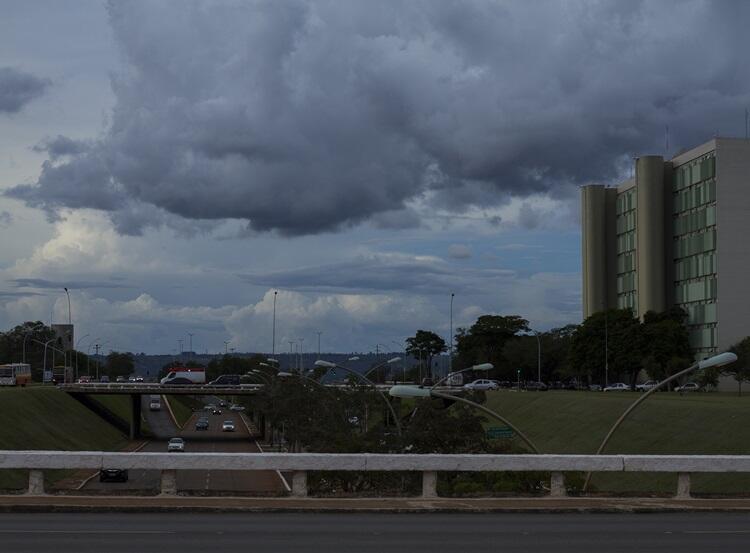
{"x":428,"y":465}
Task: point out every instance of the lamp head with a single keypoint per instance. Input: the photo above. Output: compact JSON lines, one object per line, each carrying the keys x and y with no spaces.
{"x":326,"y":364}
{"x":483,"y":367}
{"x":718,"y":360}
{"x":408,"y":391}
{"x":394,"y":360}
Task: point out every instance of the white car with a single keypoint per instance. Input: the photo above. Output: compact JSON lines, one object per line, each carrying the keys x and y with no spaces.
{"x":689,"y":387}
{"x":227,"y":426}
{"x":646,"y":386}
{"x":617,"y":387}
{"x":236,"y":407}
{"x":176,"y":444}
{"x":482,"y":384}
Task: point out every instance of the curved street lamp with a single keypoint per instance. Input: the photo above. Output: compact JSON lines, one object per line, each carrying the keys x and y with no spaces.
{"x":480,"y":367}
{"x":715,"y":361}
{"x":416,"y":391}
{"x":329,"y":365}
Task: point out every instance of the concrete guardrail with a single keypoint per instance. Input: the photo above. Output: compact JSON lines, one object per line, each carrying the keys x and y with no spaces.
{"x":429,"y":465}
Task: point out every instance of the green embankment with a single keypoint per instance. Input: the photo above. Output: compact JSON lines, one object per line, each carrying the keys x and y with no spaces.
{"x":183,"y":406}
{"x":47,"y":418}
{"x":666,"y":423}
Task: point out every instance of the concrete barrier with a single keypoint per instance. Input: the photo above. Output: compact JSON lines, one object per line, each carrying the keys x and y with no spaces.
{"x":300,"y":463}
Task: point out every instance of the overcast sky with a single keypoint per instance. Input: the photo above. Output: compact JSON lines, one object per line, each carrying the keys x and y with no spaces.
{"x":175,"y":163}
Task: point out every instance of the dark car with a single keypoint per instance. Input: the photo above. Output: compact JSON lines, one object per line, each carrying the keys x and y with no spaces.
{"x":226,"y":380}
{"x":113,"y":475}
{"x":536,"y":386}
{"x":216,"y":411}
{"x":201,"y":425}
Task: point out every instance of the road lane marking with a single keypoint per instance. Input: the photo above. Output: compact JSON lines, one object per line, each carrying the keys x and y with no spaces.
{"x":716,"y":532}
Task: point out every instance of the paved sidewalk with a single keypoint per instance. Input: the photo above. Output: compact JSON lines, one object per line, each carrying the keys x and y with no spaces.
{"x":25,"y":503}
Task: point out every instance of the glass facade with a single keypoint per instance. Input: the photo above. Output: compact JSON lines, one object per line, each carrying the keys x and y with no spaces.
{"x":694,"y":243}
{"x":627,"y":294}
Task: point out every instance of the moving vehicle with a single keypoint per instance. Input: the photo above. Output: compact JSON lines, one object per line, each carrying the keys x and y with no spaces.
{"x":227,"y":426}
{"x":226,"y":380}
{"x":154,"y":403}
{"x":688,"y":387}
{"x":216,"y":411}
{"x":482,"y":384}
{"x":104,"y":379}
{"x":235,"y":407}
{"x":113,"y":475}
{"x":184,"y":375}
{"x":176,"y":444}
{"x":646,"y":386}
{"x":201,"y":424}
{"x":84,"y":379}
{"x":617,"y":387}
{"x":120,"y":379}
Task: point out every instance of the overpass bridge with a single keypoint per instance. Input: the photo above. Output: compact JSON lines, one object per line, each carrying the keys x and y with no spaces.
{"x":82,"y":392}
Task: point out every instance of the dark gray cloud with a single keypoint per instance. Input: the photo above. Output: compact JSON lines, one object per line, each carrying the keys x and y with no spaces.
{"x":60,"y":146}
{"x":18,"y":88}
{"x":382,"y":273}
{"x":45,"y":284}
{"x":5,"y":219}
{"x":303,"y":117}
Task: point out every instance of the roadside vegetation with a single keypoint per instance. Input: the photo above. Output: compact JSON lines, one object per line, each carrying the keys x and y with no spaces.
{"x":183,"y":407}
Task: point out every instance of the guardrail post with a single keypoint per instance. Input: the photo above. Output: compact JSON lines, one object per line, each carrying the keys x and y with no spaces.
{"x":36,"y":482}
{"x":429,"y":484}
{"x":557,"y":485}
{"x":168,"y":484}
{"x":299,"y":483}
{"x":683,"y":485}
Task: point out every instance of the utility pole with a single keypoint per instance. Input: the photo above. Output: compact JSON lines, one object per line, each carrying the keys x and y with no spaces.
{"x":226,"y":346}
{"x":273,"y":339}
{"x":450,"y":347}
{"x":96,"y":347}
{"x":319,"y":333}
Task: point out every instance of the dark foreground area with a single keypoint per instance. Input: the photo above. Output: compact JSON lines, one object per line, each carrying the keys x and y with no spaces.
{"x":111,"y":532}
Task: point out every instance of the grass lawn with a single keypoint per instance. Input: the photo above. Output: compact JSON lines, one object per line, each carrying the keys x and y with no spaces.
{"x":666,"y":423}
{"x":46,"y":418}
{"x":182,"y":407}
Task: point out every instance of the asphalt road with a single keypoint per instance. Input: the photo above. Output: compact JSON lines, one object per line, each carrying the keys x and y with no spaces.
{"x":334,"y":533}
{"x":198,"y":481}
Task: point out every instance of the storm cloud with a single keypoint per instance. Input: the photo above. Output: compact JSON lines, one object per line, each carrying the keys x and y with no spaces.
{"x":305,"y":117}
{"x":18,"y":88}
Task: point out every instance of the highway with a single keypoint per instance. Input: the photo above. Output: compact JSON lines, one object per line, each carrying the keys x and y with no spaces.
{"x":376,"y":533}
{"x":197,"y":481}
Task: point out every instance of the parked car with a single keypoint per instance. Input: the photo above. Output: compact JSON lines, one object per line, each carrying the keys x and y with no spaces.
{"x":536,"y":386}
{"x":176,"y":444}
{"x":201,"y":424}
{"x":617,"y":387}
{"x":689,"y":387}
{"x":481,"y":384}
{"x":227,"y":426}
{"x":595,"y":388}
{"x":646,"y":386}
{"x":113,"y":475}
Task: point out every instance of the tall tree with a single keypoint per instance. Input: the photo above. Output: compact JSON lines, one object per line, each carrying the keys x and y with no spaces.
{"x":666,"y":343}
{"x":118,"y":364}
{"x":612,"y":338}
{"x":485,"y":340}
{"x":425,"y":344}
{"x":740,"y":369}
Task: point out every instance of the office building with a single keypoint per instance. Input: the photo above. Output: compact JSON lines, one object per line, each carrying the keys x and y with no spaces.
{"x":675,"y":234}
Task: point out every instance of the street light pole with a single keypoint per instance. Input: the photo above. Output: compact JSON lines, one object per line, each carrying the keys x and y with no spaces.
{"x":70,"y":318}
{"x":450,"y":349}
{"x":226,"y":347}
{"x":273,"y":332}
{"x":715,"y":361}
{"x":416,"y":391}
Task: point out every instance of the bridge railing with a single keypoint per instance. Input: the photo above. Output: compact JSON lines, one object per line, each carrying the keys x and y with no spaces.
{"x":429,"y":465}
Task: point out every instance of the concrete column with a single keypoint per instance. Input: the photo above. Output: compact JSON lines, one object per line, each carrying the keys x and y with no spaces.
{"x":429,"y":484}
{"x":557,"y":485}
{"x":683,"y":485}
{"x":593,"y":248}
{"x":651,"y":248}
{"x":299,"y":483}
{"x":36,"y":482}
{"x":135,"y":416}
{"x":168,"y":484}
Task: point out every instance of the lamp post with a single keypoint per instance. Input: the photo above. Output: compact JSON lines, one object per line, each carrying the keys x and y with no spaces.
{"x":70,"y":317}
{"x":715,"y":361}
{"x":450,"y":347}
{"x":23,"y":355}
{"x":480,"y":367}
{"x":416,"y":391}
{"x":76,"y":352}
{"x":273,"y":330}
{"x":389,"y":362}
{"x":329,"y":365}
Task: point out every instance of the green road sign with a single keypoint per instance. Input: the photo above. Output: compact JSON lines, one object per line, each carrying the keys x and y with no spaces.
{"x":495,"y":432}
